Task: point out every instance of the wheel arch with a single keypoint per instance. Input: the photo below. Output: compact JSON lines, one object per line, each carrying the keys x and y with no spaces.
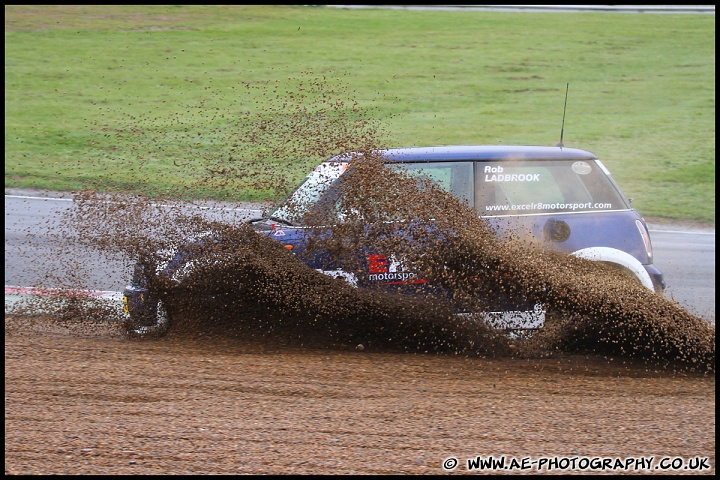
{"x":620,"y":259}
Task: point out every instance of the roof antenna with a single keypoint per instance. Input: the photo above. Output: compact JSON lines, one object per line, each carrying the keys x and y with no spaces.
{"x":562,"y":129}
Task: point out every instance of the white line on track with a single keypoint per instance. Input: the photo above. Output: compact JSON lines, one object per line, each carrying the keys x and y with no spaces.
{"x":26,"y":197}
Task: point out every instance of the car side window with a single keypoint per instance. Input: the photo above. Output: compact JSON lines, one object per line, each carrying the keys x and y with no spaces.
{"x":453,"y":177}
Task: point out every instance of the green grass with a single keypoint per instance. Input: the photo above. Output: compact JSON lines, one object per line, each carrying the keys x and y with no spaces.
{"x":79,"y":78}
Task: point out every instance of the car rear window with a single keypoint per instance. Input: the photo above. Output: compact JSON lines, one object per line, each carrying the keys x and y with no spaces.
{"x":522,"y":187}
{"x":527,"y":187}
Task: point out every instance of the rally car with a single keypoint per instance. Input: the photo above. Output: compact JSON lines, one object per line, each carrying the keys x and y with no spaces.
{"x":564,"y":198}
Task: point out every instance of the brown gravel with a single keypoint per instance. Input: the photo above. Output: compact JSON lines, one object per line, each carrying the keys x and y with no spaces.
{"x":81,"y":399}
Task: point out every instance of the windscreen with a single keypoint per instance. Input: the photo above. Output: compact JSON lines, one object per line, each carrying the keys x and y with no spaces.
{"x":319,"y":181}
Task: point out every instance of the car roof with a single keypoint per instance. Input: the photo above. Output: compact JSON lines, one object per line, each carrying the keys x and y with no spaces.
{"x":484,"y":152}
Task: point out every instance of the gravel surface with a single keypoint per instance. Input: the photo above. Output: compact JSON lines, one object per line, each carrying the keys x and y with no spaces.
{"x":82,"y":399}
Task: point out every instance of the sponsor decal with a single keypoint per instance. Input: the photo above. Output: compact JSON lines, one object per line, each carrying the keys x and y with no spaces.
{"x":377,"y":263}
{"x":581,"y":168}
{"x":494,"y":174}
{"x":390,"y":270}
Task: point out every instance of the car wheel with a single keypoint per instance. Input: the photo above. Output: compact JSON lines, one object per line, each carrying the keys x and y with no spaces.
{"x":154,"y":324}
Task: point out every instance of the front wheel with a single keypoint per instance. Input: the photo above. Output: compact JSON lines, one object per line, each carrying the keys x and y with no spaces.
{"x":147,"y":315}
{"x":149,"y":320}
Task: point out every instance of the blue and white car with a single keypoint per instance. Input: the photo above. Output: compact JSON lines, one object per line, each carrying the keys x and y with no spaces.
{"x":563,"y":198}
